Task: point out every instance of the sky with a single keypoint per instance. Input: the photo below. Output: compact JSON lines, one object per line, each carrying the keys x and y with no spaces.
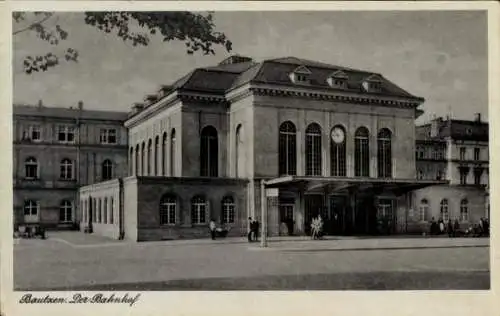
{"x":438,"y":55}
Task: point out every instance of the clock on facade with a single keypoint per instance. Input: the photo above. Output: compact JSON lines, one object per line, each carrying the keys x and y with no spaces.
{"x":338,"y":135}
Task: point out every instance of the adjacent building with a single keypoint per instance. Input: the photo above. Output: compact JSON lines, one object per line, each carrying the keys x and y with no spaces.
{"x":456,"y":151}
{"x":58,"y":150}
{"x":300,"y":137}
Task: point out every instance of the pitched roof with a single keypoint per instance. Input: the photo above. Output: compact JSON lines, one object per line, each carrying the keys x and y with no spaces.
{"x":68,"y":113}
{"x":454,"y":129}
{"x":227,"y":76}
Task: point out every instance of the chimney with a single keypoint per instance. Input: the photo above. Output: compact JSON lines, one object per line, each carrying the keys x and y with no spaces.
{"x":80,"y":105}
{"x":40,"y":103}
{"x":477,"y":117}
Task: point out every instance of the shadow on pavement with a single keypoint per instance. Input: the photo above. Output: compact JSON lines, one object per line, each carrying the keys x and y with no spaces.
{"x":473,"y":280}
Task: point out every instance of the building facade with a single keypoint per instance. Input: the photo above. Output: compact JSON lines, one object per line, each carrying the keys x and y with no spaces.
{"x":456,"y":151}
{"x":58,"y":150}
{"x":304,"y":138}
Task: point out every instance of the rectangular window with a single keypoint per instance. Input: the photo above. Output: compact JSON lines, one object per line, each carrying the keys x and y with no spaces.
{"x":477,"y":177}
{"x":477,"y":152}
{"x":462,"y":153}
{"x":32,"y":133}
{"x":66,"y":134}
{"x":463,"y":176}
{"x":108,"y":136}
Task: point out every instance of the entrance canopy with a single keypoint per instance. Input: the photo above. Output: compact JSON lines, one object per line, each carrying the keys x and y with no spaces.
{"x":360,"y":185}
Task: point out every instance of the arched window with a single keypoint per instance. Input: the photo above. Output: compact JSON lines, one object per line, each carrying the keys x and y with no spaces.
{"x":444,"y":210}
{"x":384,"y":153}
{"x":137,"y":161}
{"x":65,"y":211}
{"x":112,"y":211}
{"x":107,"y":170}
{"x":99,"y":211}
{"x":164,"y":154}
{"x":338,"y":151}
{"x":143,"y":159}
{"x":172,"y":153}
{"x":66,"y":171}
{"x":239,"y":151}
{"x":464,"y":210}
{"x":31,"y":208}
{"x":156,"y":153}
{"x":168,"y":207}
{"x":149,"y":157}
{"x":131,"y":162}
{"x":313,"y":150}
{"x":198,"y":210}
{"x":287,"y":149}
{"x":361,"y":153}
{"x":209,"y":152}
{"x":105,"y":211}
{"x":31,"y":166}
{"x":228,"y":210}
{"x":424,"y":209}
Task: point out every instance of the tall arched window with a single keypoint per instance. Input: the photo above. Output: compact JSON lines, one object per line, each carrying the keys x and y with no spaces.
{"x":444,"y":210}
{"x":143,"y":159}
{"x":338,"y":151}
{"x":464,"y":210}
{"x":313,"y":150}
{"x":424,"y":209}
{"x":149,"y":157}
{"x":105,"y":211}
{"x":173,"y":172}
{"x":31,"y":168}
{"x":66,"y":171}
{"x":287,"y":149}
{"x":156,"y":153}
{"x":198,"y":210}
{"x":239,"y":152}
{"x":137,"y":161}
{"x":228,"y":210}
{"x":209,"y":152}
{"x":384,"y":153}
{"x":131,"y":162}
{"x":361,"y":153}
{"x":164,"y":154}
{"x":65,"y":211}
{"x":107,"y":170}
{"x":112,"y":210}
{"x":168,"y":206}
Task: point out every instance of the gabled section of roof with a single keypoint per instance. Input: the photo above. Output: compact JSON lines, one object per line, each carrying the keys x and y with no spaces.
{"x":302,"y":70}
{"x":339,"y":74}
{"x":374,"y":78}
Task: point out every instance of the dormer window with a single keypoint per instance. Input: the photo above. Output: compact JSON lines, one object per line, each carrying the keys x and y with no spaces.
{"x":150,"y":99}
{"x":373,"y":84}
{"x":337,"y":80}
{"x":300,"y":75}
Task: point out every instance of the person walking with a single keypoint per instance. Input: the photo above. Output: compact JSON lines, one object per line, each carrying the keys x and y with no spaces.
{"x":450,"y":229}
{"x":213,"y":228}
{"x":456,"y":227}
{"x":256,"y":230}
{"x":250,"y":229}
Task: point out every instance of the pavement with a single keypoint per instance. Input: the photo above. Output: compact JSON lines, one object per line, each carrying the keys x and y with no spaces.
{"x":76,"y":261}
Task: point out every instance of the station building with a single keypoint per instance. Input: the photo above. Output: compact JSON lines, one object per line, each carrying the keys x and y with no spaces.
{"x":303,"y":137}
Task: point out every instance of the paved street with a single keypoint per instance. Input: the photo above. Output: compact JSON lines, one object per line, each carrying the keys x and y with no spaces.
{"x":74,"y":261}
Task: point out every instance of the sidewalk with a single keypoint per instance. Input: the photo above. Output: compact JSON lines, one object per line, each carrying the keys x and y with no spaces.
{"x":291,"y":243}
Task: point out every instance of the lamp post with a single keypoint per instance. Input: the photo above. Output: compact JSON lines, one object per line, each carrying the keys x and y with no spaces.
{"x":263,"y":207}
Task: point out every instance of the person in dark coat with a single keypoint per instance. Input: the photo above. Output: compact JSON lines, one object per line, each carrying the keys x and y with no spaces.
{"x":250,"y":229}
{"x":456,"y":227}
{"x":450,"y":229}
{"x":433,"y":227}
{"x":256,"y":230}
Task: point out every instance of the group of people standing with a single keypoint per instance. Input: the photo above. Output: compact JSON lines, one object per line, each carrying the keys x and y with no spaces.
{"x":253,"y":230}
{"x":317,"y":227}
{"x":452,"y":228}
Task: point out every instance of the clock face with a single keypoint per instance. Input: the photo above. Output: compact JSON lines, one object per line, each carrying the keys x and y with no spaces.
{"x":338,"y":135}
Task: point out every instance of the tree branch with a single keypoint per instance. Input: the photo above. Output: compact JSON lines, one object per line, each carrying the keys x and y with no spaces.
{"x":33,"y":24}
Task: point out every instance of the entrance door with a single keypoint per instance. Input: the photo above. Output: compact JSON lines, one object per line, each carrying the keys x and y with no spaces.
{"x":338,"y":215}
{"x":385,"y":216}
{"x":314,"y":205}
{"x":366,"y":216}
{"x":286,"y":208}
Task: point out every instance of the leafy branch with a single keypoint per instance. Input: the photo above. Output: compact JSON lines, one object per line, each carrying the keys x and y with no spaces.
{"x":196,"y":30}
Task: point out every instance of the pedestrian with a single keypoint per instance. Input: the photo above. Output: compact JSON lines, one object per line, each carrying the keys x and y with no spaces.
{"x":213,"y":228}
{"x":456,"y":227}
{"x":450,"y":229}
{"x":250,"y":229}
{"x":441,"y":226}
{"x":256,"y":230}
